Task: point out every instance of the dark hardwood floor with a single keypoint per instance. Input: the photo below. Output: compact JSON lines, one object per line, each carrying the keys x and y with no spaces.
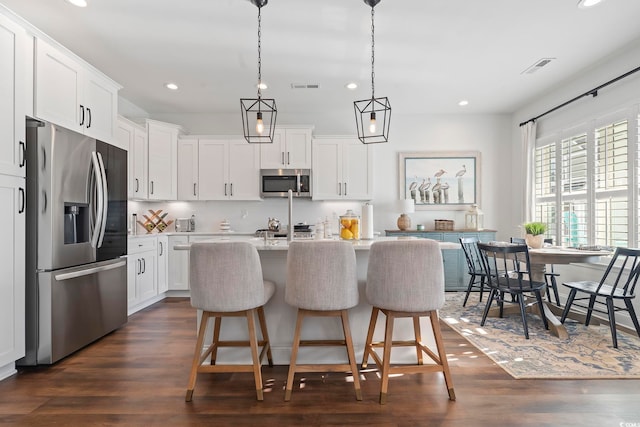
{"x":138,"y":375}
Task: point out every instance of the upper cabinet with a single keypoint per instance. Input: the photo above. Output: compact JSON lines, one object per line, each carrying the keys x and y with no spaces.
{"x":162,"y":160}
{"x":211,"y":168}
{"x":12,"y":101}
{"x":132,"y":137}
{"x":342,"y":169}
{"x":291,"y":149}
{"x":72,"y":94}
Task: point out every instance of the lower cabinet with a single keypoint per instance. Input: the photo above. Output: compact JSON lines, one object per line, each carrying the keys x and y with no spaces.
{"x":142,"y":284}
{"x":178,"y":264}
{"x":455,"y":264}
{"x":162,"y":269}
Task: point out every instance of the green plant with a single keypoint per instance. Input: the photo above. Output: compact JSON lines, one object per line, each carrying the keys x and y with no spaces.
{"x":535,"y":228}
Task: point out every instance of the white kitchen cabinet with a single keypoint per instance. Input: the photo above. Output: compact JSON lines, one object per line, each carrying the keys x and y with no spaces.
{"x":142,"y":288}
{"x":72,"y":94}
{"x":162,"y":264}
{"x":162,"y":160}
{"x":227,"y":169}
{"x":291,"y":149}
{"x":132,"y":137}
{"x":342,"y":169}
{"x":178,"y":264}
{"x":12,"y":101}
{"x":12,"y":280}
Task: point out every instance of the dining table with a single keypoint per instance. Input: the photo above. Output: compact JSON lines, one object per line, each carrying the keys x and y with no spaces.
{"x":539,"y":259}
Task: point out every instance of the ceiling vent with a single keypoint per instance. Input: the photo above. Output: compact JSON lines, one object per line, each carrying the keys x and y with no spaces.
{"x":539,"y":64}
{"x":304,"y":86}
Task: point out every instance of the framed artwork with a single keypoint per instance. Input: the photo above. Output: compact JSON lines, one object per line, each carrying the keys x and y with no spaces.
{"x":447,"y":180}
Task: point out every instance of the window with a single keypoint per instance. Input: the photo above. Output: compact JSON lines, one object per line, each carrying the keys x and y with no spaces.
{"x":596,"y":199}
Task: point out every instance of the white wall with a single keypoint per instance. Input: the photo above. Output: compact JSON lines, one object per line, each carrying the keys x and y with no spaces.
{"x":488,"y":134}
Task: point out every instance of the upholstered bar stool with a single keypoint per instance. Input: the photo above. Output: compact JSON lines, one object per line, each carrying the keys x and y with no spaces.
{"x":406,"y":279}
{"x":226,"y":281}
{"x":322,"y":281}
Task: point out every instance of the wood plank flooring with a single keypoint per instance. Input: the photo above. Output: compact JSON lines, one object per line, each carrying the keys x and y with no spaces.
{"x":138,"y":375}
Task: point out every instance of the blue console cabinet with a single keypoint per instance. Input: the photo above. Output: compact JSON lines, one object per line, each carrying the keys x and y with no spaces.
{"x":455,"y":265}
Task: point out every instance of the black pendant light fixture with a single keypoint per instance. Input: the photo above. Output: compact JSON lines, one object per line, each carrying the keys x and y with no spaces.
{"x":259,"y":115}
{"x":373,"y":116}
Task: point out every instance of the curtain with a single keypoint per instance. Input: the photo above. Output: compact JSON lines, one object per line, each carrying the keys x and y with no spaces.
{"x":528,"y":137}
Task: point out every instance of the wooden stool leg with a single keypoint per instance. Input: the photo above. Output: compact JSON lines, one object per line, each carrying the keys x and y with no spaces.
{"x":367,"y":345}
{"x":294,"y":356}
{"x":350,"y":353}
{"x":265,"y":334}
{"x":437,"y":334}
{"x":216,"y":339}
{"x":418,"y":337}
{"x":386,"y":357}
{"x":196,"y":356}
{"x":253,"y":343}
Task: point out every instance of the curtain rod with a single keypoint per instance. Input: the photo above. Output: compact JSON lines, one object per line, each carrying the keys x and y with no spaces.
{"x":593,"y":92}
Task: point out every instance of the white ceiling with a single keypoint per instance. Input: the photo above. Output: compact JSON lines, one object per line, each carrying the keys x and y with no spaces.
{"x":429,"y":53}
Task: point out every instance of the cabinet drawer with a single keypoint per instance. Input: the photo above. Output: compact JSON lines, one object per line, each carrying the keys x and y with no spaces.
{"x":141,"y":244}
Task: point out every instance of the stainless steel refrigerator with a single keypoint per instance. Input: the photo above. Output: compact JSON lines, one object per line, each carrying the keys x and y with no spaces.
{"x":76,"y":270}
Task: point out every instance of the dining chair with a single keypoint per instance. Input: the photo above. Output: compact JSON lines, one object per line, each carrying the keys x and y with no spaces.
{"x":405,"y":279}
{"x":322,"y":282}
{"x":618,"y":283}
{"x":477,"y":276}
{"x":508,"y":272}
{"x":226,"y":281}
{"x":550,"y":279}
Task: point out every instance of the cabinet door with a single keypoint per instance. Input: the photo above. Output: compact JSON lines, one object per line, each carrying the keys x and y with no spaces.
{"x":357,"y":170}
{"x":12,"y":280}
{"x":12,"y":101}
{"x":244,"y":171}
{"x":162,"y":265}
{"x":133,"y":266}
{"x":178,"y":264}
{"x":124,"y":138}
{"x":162,"y":155}
{"x":100,"y":101}
{"x":298,"y":148}
{"x":272,"y":156}
{"x":58,"y":85}
{"x":455,"y":267}
{"x":327,"y":169}
{"x":213,"y":169}
{"x":139,"y":163}
{"x":188,"y":169}
{"x":146,"y":279}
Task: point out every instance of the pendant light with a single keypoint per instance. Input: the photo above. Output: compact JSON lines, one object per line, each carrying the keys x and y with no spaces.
{"x":258,"y":115}
{"x":373,"y":116}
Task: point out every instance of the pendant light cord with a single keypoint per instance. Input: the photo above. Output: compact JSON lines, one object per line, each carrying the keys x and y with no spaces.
{"x":259,"y":57}
{"x":373,"y":44}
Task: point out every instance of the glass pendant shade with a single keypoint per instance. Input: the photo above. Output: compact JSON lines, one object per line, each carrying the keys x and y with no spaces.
{"x":256,"y":114}
{"x":373,"y":117}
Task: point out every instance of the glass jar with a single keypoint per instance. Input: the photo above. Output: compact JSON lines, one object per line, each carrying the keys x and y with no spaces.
{"x":350,"y":226}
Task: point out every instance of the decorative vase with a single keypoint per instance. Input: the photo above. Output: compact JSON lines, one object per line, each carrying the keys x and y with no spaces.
{"x":534,"y":242}
{"x":404,"y":222}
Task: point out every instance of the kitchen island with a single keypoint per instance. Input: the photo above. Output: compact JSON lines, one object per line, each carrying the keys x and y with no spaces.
{"x":281,"y":317}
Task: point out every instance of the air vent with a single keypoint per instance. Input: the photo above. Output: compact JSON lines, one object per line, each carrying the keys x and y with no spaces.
{"x":539,"y":64}
{"x":304,"y":86}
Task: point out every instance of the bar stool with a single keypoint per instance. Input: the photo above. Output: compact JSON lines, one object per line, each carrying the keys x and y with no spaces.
{"x":322,"y":281}
{"x":226,"y":281}
{"x":406,"y":279}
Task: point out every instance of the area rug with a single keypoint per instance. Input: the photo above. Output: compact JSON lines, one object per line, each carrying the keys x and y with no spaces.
{"x":587,"y":354}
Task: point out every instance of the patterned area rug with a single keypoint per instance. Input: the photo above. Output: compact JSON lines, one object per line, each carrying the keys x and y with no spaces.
{"x":587,"y":354}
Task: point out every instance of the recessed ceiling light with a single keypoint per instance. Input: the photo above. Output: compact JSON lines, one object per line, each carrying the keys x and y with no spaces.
{"x":262,"y":86}
{"x":171,"y":86}
{"x":351,"y":86}
{"x":463,"y":103}
{"x":585,"y":4}
{"x":79,"y":3}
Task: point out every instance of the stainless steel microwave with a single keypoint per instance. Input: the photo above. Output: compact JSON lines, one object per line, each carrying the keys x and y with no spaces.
{"x":278,"y":182}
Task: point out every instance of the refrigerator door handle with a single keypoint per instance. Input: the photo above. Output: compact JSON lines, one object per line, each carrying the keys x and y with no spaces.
{"x":89,"y":271}
{"x":105,"y":196}
{"x":96,"y":208}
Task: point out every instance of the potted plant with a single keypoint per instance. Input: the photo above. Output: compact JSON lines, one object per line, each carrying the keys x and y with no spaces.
{"x":535,"y":234}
